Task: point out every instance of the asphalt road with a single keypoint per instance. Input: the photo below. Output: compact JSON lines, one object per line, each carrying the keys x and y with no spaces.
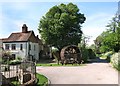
{"x":93,"y":73}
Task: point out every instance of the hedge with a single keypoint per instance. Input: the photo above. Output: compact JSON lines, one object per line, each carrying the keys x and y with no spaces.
{"x":115,"y":61}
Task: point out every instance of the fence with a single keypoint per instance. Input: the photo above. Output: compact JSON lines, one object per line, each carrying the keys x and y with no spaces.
{"x":23,"y":73}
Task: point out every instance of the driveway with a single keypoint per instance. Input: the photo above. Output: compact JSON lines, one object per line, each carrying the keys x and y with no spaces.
{"x":92,"y":73}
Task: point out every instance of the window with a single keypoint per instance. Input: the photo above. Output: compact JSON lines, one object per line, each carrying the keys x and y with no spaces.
{"x":7,"y":46}
{"x":29,"y":47}
{"x":21,"y":46}
{"x":13,"y":46}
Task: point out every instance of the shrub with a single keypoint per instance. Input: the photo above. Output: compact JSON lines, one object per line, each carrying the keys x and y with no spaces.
{"x":19,"y":58}
{"x":14,"y":62}
{"x":107,"y":55}
{"x":91,"y":54}
{"x":84,"y":54}
{"x":115,"y":61}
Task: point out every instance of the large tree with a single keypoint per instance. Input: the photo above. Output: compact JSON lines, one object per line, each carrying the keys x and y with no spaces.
{"x":61,"y":25}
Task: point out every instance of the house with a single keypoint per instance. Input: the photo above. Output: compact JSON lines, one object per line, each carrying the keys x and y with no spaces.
{"x":23,"y":44}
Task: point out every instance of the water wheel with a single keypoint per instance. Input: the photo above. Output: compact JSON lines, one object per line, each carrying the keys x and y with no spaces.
{"x":70,"y":54}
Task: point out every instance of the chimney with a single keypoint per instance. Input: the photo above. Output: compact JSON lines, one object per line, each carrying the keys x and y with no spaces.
{"x":24,"y":28}
{"x":37,"y":36}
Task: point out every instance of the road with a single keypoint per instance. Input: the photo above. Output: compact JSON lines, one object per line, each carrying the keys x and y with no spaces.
{"x":92,"y":73}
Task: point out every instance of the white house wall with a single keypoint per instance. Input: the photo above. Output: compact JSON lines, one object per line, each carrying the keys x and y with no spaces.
{"x":24,"y":52}
{"x":17,"y":52}
{"x":35,"y":52}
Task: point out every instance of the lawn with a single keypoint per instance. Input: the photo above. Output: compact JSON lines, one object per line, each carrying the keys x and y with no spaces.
{"x":16,"y":83}
{"x":55,"y":64}
{"x":42,"y":80}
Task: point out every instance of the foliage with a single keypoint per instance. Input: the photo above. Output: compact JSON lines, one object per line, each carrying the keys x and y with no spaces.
{"x":87,"y":54}
{"x":42,"y":80}
{"x":84,"y":52}
{"x":115,"y":60}
{"x":61,"y":25}
{"x":18,"y":58}
{"x":109,"y":39}
{"x":55,"y":64}
{"x":107,"y":55}
{"x":91,"y":54}
{"x":7,"y":59}
{"x":92,"y":47}
{"x":83,"y":47}
{"x":16,"y":83}
{"x":56,"y":56}
{"x":54,"y":50}
{"x":14,"y":62}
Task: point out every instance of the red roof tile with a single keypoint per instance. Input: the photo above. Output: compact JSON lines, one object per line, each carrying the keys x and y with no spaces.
{"x":23,"y":36}
{"x":15,"y":37}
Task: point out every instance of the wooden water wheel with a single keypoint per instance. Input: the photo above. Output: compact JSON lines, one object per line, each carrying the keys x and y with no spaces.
{"x":70,"y":54}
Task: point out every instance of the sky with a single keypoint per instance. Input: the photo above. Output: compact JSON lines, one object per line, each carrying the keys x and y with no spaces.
{"x":14,"y":14}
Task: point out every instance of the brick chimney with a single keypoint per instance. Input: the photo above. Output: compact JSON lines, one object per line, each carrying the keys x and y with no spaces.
{"x":37,"y":36}
{"x":24,"y":28}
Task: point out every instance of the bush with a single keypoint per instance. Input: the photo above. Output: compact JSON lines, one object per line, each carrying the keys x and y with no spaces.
{"x":107,"y":55}
{"x":14,"y":62}
{"x":91,"y":54}
{"x":115,"y":61}
{"x":84,"y":54}
{"x":19,"y":58}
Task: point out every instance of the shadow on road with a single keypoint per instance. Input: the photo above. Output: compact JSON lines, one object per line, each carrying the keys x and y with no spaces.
{"x":97,"y":60}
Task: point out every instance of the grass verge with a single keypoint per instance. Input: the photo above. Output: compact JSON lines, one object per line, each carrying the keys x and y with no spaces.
{"x":16,"y":83}
{"x":55,"y":64}
{"x":42,"y":80}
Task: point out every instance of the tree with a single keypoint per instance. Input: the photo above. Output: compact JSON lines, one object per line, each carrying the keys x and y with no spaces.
{"x":109,"y":39}
{"x":61,"y":25}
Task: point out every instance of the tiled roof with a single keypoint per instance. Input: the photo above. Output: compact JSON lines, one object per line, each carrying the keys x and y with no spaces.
{"x":16,"y":37}
{"x":23,"y":36}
